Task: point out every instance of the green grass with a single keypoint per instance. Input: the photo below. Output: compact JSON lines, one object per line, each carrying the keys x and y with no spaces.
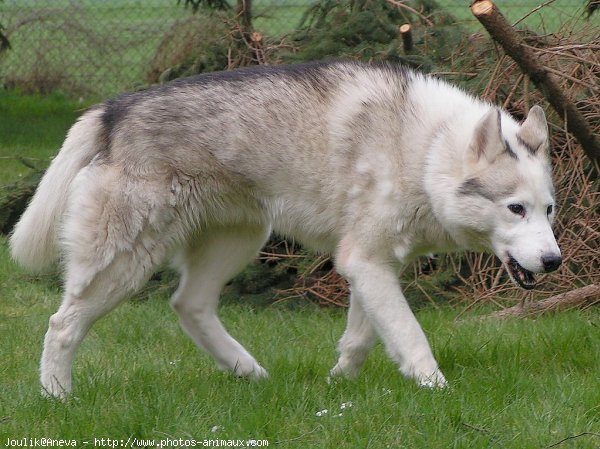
{"x":33,"y":127}
{"x":89,"y":48}
{"x":515,"y":384}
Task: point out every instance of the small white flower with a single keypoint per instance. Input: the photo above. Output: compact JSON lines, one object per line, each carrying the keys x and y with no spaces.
{"x":346,"y":405}
{"x":322,"y":412}
{"x":214,"y":429}
{"x":174,"y":362}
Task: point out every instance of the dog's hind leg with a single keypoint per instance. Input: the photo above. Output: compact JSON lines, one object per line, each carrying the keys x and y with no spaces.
{"x":112,"y":246}
{"x":207,"y":264}
{"x":80,"y":309}
{"x":356,"y":343}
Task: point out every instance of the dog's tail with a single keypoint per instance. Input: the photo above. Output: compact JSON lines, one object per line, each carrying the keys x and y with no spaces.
{"x":34,"y":240}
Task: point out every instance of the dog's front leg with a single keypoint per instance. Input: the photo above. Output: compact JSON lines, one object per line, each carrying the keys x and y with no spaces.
{"x":356,"y":343}
{"x":376,"y":286}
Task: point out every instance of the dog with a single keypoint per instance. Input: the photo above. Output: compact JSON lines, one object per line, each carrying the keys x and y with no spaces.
{"x":374,"y":164}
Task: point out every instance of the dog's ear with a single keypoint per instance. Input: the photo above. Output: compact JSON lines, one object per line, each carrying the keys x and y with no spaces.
{"x":534,"y":132}
{"x":487,"y":142}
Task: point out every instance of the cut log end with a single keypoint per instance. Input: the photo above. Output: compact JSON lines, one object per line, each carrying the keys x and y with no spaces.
{"x":407,"y":40}
{"x":257,"y":37}
{"x":482,"y":8}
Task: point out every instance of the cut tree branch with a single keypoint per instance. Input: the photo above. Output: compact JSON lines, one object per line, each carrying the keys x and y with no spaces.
{"x":407,"y":39}
{"x":514,"y":46}
{"x":588,"y":296}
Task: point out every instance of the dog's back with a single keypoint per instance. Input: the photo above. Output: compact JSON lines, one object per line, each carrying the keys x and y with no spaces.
{"x":280,"y":142}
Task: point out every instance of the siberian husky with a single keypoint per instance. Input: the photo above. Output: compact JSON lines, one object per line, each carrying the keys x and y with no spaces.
{"x":374,"y":164}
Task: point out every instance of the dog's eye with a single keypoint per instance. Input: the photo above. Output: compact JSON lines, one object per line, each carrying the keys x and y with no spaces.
{"x":517,"y":209}
{"x":549,"y":210}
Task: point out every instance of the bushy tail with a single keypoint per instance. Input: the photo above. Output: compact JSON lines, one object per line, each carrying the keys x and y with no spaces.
{"x":34,"y":240}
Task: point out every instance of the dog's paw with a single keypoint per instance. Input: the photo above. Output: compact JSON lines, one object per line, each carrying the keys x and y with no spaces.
{"x":348,"y":370}
{"x":435,"y":380}
{"x":426,"y":373}
{"x":259,"y":373}
{"x":52,"y":388}
{"x":55,"y":393}
{"x":251,"y":370}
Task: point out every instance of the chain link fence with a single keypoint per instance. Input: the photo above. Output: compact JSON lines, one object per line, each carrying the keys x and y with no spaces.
{"x":96,"y":48}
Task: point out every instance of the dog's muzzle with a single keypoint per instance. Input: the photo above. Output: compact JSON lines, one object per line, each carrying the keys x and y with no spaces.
{"x":525,"y":278}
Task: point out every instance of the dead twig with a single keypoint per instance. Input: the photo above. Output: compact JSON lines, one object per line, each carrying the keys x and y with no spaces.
{"x":533,"y":11}
{"x":573,"y":437}
{"x":402,"y":5}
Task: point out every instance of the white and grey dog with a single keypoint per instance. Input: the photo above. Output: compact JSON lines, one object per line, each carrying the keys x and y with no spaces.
{"x":373,"y":164}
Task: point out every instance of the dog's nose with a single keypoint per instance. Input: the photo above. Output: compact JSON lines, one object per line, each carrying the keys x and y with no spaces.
{"x":551,"y":262}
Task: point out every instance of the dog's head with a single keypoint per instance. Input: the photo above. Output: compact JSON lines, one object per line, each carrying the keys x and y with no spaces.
{"x":509,"y":191}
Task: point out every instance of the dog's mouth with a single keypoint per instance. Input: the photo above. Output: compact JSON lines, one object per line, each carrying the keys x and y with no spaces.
{"x":522,"y":277}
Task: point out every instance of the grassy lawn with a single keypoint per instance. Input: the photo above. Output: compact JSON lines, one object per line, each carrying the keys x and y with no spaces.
{"x":514,"y":384}
{"x":33,"y":127}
